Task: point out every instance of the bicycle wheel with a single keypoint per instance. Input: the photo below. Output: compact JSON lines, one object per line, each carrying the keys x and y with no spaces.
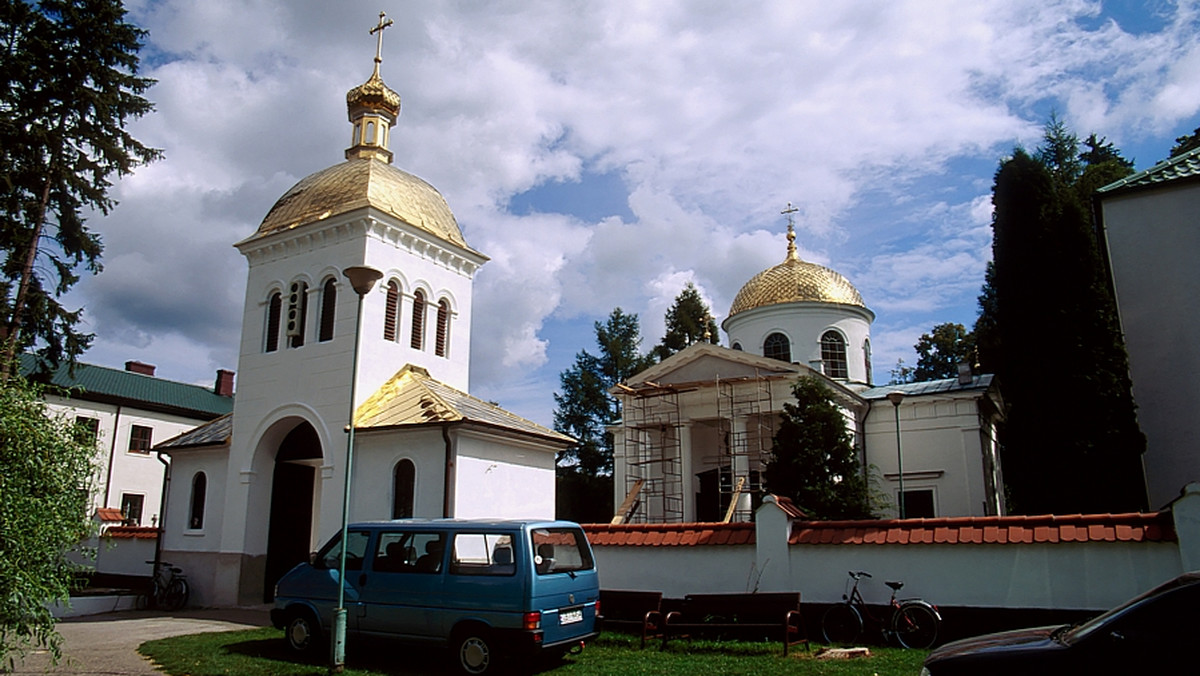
{"x":841,"y":624}
{"x":916,"y":625}
{"x":176,"y":595}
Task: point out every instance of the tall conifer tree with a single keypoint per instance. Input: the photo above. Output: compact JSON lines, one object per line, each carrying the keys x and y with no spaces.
{"x":1048,"y":329}
{"x":68,"y":85}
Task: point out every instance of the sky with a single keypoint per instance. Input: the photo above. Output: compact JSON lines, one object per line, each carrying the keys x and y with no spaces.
{"x":604,"y":154}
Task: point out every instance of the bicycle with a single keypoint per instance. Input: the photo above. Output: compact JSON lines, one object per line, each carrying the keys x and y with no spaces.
{"x":170,"y":591}
{"x":914,"y":623}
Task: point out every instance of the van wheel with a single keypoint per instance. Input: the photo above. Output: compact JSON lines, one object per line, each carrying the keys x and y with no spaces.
{"x":474,"y":652}
{"x":302,"y":632}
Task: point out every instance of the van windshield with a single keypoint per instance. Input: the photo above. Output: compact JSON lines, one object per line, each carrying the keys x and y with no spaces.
{"x":560,"y":550}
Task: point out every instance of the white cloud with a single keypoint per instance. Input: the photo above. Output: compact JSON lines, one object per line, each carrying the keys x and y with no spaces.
{"x":714,"y":115}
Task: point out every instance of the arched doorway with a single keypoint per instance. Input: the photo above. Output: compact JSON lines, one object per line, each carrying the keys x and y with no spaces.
{"x":289,"y":535}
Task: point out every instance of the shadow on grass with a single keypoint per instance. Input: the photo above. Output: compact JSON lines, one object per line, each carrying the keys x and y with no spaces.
{"x":376,"y":656}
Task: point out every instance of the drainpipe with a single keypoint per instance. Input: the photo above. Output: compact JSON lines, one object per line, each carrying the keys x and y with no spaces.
{"x":112,"y":452}
{"x":448,"y":488}
{"x":162,"y":511}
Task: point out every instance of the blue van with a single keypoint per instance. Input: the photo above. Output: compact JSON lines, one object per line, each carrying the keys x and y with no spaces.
{"x":482,"y":588}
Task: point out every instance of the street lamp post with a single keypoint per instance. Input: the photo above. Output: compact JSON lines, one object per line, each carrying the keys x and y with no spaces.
{"x":362,"y":279}
{"x":896,"y":396}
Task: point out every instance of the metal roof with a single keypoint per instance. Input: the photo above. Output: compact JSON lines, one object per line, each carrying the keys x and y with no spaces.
{"x":1177,"y":168}
{"x":102,"y":384}
{"x":980,"y":382}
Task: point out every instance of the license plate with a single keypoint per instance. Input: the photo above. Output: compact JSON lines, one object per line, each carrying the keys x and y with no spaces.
{"x":570,"y":616}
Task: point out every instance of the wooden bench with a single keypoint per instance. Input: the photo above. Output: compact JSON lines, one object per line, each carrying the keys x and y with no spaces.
{"x":775,"y":614}
{"x":639,"y":611}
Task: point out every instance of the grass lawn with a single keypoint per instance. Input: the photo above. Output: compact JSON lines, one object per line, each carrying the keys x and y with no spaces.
{"x":262,"y":652}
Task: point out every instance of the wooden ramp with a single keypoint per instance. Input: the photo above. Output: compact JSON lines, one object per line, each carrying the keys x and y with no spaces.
{"x":629,"y":505}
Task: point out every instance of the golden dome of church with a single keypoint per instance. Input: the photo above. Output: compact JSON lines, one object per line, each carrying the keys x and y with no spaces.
{"x":367,"y":177}
{"x":795,"y":280}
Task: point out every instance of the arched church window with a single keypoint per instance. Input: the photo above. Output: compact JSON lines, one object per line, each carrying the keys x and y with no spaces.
{"x":274,"y":309}
{"x":328,"y":306}
{"x":404,"y":480}
{"x":867,"y":360}
{"x":777,"y":346}
{"x":199,"y":494}
{"x":418,"y":320}
{"x":391,"y":313}
{"x":443,"y":328}
{"x":833,"y":354}
{"x":296,"y":312}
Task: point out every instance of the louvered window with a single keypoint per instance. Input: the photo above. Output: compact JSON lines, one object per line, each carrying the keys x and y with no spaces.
{"x":418,"y":320}
{"x":443,"y":328}
{"x":391,"y":318}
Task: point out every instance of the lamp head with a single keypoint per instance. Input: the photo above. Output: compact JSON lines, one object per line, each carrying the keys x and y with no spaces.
{"x":362,"y":278}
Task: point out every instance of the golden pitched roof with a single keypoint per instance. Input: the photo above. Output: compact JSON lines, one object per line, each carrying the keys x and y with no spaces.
{"x":413,"y":397}
{"x":794,"y":281}
{"x":359,"y":183}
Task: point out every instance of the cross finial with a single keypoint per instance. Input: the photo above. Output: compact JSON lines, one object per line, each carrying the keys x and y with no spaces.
{"x":791,"y":233}
{"x":384,"y":22}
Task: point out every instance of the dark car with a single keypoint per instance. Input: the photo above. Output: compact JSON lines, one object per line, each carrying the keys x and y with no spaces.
{"x":1154,"y":633}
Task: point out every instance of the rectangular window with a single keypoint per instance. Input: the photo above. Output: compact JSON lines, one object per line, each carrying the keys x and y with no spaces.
{"x":919,"y":504}
{"x":131,"y":508}
{"x":483,"y":554}
{"x":87,"y":429}
{"x":560,"y":550}
{"x":408,"y":552}
{"x":140,"y":438}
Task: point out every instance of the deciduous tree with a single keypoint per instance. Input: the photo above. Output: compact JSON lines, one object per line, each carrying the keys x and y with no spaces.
{"x":68,"y":85}
{"x":45,"y":483}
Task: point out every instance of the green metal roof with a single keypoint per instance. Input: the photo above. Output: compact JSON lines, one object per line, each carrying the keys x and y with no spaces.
{"x":1184,"y":166}
{"x":109,"y":385}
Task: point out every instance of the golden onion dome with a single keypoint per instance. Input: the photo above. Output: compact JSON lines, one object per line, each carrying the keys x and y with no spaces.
{"x":795,"y":281}
{"x":364,"y":182}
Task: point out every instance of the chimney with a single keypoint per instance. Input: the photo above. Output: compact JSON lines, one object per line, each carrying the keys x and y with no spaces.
{"x":139,"y":367}
{"x":224,"y":386}
{"x":964,"y":374}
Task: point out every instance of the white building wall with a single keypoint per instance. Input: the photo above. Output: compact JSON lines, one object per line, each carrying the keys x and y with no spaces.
{"x":118,"y":470}
{"x":941,"y":442}
{"x":1153,"y":244}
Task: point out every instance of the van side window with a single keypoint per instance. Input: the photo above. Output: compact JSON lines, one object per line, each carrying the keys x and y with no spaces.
{"x":560,"y":550}
{"x":408,"y":552}
{"x":355,"y":553}
{"x":483,"y":554}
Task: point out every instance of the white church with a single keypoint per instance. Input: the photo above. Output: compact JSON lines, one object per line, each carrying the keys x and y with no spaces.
{"x":254,"y":492}
{"x":697,"y":428}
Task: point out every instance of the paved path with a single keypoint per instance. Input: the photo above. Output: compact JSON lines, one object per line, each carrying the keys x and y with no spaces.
{"x":106,"y":644}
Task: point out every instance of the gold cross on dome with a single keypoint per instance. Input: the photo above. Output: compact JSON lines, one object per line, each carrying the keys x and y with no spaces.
{"x":384,"y":22}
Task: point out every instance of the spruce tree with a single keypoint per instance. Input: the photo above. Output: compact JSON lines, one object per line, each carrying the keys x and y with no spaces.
{"x":585,"y":410}
{"x":688,"y":321}
{"x":813,"y":461}
{"x":68,"y":85}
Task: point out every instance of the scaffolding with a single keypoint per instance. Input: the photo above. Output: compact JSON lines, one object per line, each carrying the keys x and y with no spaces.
{"x":745,"y":422}
{"x":653,"y":462}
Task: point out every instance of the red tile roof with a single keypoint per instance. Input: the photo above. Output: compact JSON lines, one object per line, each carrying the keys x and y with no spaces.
{"x":139,"y":532}
{"x":109,"y":514}
{"x":1132,"y":527}
{"x":669,"y":534}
